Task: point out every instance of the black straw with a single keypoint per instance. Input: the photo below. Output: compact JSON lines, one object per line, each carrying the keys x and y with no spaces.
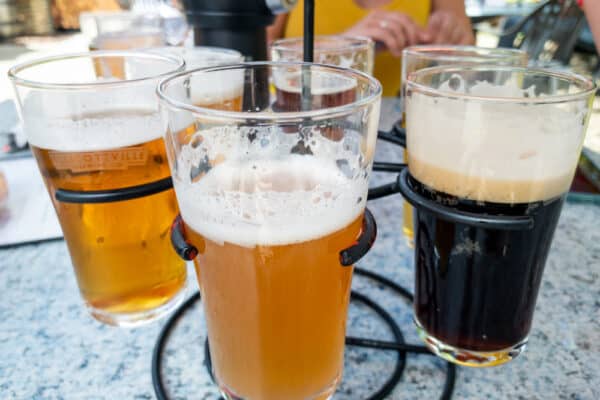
{"x":309,"y":43}
{"x":309,"y":30}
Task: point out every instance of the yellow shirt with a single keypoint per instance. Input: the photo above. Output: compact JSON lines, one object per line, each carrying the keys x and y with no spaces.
{"x":336,"y":16}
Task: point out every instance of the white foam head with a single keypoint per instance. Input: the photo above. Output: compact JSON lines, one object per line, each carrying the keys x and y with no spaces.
{"x":89,"y":121}
{"x":260,"y":194}
{"x":494,"y":151}
{"x":216,"y":87}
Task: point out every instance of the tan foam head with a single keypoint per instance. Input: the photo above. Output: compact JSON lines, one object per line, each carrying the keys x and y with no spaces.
{"x":506,"y":152}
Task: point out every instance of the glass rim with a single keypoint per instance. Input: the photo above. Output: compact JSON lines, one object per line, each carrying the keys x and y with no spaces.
{"x":351,"y":42}
{"x":198,"y":49}
{"x":15,"y":70}
{"x":283,"y":116}
{"x":474,"y":53}
{"x":585,"y":85}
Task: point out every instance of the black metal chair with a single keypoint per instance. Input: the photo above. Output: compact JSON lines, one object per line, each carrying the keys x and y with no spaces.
{"x":549,"y":33}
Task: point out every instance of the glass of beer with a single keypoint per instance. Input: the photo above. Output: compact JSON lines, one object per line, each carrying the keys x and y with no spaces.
{"x":99,"y":146}
{"x":202,"y":56}
{"x":126,"y":31}
{"x":415,"y":58}
{"x":354,"y":52}
{"x":269,"y":213}
{"x":491,"y":155}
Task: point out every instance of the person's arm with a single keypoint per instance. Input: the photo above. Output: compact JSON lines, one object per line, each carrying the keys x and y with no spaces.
{"x":391,"y":29}
{"x":592,"y":14}
{"x":276,"y":29}
{"x":449,"y":24}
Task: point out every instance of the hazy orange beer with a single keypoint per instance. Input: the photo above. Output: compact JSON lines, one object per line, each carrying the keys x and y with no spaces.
{"x":94,"y":134}
{"x":269,"y":211}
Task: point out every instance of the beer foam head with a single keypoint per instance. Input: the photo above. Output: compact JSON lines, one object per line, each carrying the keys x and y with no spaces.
{"x":250,"y":192}
{"x":497,"y":151}
{"x":89,"y":121}
{"x":91,"y":101}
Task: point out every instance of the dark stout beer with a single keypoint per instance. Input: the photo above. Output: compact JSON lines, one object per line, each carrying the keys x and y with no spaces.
{"x":476,"y":288}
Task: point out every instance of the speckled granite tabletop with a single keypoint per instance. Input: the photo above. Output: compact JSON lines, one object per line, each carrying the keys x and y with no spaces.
{"x":51,"y":349}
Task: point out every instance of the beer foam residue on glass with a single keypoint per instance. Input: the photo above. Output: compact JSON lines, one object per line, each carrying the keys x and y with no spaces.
{"x":215,"y":87}
{"x":321,"y":82}
{"x":505,"y":152}
{"x":264,"y":195}
{"x":90,"y":122}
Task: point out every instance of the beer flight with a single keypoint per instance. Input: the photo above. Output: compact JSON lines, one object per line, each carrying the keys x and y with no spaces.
{"x":270,"y":165}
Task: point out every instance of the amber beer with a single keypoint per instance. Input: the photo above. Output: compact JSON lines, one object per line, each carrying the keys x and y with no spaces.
{"x":327,"y":91}
{"x":121,"y":251}
{"x":276,"y":295}
{"x":407,"y":210}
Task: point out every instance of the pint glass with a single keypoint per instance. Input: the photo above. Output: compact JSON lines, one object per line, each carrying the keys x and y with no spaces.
{"x":354,"y":52}
{"x":491,"y":155}
{"x":270,"y":214}
{"x":418,"y":57}
{"x":98,"y":143}
{"x":202,"y":57}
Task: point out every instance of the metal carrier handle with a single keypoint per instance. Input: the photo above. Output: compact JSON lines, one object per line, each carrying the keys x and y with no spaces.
{"x":348,"y":257}
{"x":109,"y":196}
{"x":500,"y":222}
{"x":397,"y":135}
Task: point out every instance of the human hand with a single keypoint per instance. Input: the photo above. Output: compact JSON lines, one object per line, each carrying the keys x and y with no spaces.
{"x":445,"y":27}
{"x":393,"y":29}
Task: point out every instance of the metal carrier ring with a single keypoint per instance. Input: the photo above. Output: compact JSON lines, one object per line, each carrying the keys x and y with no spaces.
{"x":501,"y":222}
{"x":112,"y":195}
{"x":398,"y":345}
{"x":348,"y":257}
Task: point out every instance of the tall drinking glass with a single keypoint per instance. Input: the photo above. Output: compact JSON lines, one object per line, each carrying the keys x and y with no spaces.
{"x":202,"y":56}
{"x":276,"y":217}
{"x":491,"y":154}
{"x":354,"y":52}
{"x":98,"y":142}
{"x":418,"y":57}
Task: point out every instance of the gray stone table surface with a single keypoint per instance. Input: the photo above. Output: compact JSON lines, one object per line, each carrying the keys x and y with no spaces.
{"x":51,"y":349}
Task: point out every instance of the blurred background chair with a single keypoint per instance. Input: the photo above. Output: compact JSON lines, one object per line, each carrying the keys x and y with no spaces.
{"x":549,"y":34}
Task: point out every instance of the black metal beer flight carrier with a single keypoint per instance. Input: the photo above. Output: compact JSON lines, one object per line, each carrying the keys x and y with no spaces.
{"x":220,"y":30}
{"x":215,"y":24}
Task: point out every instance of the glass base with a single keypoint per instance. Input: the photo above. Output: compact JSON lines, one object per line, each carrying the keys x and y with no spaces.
{"x":134,"y":319}
{"x":326,"y":394}
{"x":469,"y":358}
